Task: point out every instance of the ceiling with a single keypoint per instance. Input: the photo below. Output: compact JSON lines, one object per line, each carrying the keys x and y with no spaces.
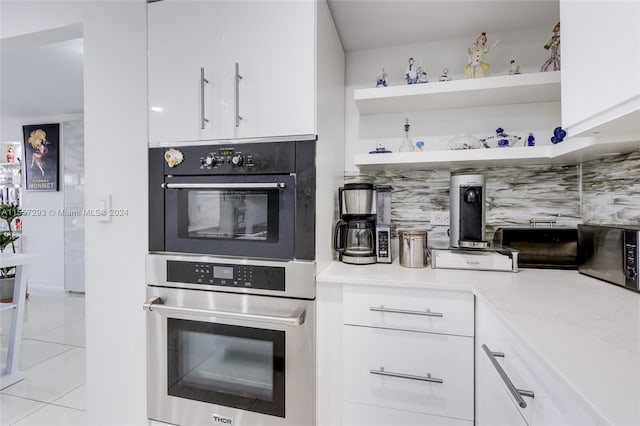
{"x":367,"y":24}
{"x":42,"y":81}
{"x":47,"y":80}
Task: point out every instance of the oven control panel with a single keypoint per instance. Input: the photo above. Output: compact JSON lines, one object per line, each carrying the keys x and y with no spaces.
{"x":226,"y":275}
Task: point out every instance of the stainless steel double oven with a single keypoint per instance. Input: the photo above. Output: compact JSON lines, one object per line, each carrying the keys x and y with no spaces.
{"x":231,"y":284}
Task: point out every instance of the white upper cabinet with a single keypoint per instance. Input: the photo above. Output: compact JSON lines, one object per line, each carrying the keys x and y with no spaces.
{"x":601,"y":69}
{"x":185,"y":44}
{"x":196,"y":90}
{"x":273,"y":44}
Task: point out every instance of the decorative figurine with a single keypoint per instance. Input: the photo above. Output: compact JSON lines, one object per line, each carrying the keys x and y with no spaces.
{"x":531,"y":140}
{"x":554,"y":45}
{"x":382,"y":79}
{"x":500,"y":140}
{"x":475,"y":67}
{"x":558,"y":135}
{"x":445,"y":75}
{"x":10,"y":156}
{"x":514,"y":68}
{"x":412,"y":73}
{"x":422,"y":73}
{"x":420,"y":146}
{"x":380,"y":149}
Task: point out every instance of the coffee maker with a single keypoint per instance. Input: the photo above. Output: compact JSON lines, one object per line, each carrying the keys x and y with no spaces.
{"x":362,"y":235}
{"x":467,"y":212}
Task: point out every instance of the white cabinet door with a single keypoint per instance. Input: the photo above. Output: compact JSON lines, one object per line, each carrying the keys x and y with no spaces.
{"x":366,"y":415}
{"x":494,"y":405}
{"x":600,"y":53}
{"x":273,"y":43}
{"x":553,"y":400}
{"x":184,"y":37}
{"x":410,"y":371}
{"x":433,"y":311}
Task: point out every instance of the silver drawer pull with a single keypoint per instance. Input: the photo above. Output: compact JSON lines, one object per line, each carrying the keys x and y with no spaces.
{"x":428,"y":377}
{"x":426,"y":313}
{"x":155,"y":304}
{"x":517,"y":393}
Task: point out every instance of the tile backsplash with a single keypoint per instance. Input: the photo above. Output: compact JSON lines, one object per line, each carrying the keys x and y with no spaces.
{"x":602,"y":191}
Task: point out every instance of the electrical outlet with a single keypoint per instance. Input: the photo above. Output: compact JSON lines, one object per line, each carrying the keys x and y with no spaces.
{"x":440,"y":217}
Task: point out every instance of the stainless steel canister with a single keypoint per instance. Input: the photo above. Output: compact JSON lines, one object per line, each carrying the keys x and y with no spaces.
{"x":413,"y":248}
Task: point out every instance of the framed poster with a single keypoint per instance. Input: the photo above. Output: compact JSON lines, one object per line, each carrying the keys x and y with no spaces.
{"x":41,"y":156}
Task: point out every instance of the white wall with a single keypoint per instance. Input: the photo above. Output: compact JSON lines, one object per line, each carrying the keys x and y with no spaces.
{"x":42,"y":235}
{"x":115,"y":160}
{"x":437,"y":127}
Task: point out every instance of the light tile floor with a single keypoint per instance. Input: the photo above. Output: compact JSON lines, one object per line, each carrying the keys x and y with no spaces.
{"x":53,"y":357}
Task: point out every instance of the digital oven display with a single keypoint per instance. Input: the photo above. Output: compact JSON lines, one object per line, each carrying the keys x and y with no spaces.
{"x":223,"y":272}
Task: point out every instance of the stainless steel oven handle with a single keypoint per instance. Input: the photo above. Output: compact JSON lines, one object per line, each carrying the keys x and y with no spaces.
{"x":294,"y":320}
{"x":275,"y":185}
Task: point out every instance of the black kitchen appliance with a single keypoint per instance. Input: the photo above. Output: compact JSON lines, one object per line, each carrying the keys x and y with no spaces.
{"x":467,"y":211}
{"x":252,"y":200}
{"x":354,"y":233}
{"x":610,"y":253}
{"x":548,"y":248}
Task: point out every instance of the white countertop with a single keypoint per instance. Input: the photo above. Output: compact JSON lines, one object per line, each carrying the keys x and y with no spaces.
{"x":11,"y":259}
{"x":586,"y":329}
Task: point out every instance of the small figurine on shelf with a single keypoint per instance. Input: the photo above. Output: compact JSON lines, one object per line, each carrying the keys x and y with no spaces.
{"x":445,"y":75}
{"x":380,"y":149}
{"x":411,"y":75}
{"x":558,"y":135}
{"x":420,"y":146}
{"x":514,"y":68}
{"x":10,"y":156}
{"x":382,"y":79}
{"x":406,"y":145}
{"x":554,"y":45}
{"x":531,"y":140}
{"x":422,"y":74}
{"x":475,"y":67}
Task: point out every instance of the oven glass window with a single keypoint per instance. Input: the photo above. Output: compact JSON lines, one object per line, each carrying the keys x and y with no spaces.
{"x":229,"y":214}
{"x":239,"y":367}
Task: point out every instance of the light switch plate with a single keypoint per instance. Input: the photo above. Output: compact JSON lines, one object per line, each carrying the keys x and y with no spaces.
{"x":104,"y":208}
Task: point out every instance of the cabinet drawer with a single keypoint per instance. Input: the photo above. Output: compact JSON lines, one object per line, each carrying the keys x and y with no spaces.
{"x":391,"y":368}
{"x":554,"y":401}
{"x":433,"y":311}
{"x":366,"y":415}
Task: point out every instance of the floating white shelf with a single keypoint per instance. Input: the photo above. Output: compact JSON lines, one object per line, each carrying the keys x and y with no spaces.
{"x":488,"y":91}
{"x":570,"y":151}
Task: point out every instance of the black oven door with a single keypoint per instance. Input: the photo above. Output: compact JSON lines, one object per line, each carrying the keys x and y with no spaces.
{"x":246,"y":216}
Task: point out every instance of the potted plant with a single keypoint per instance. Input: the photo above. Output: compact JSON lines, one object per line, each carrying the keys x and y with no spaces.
{"x":8,"y":213}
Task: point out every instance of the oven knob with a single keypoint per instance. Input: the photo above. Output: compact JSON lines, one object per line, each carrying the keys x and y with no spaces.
{"x":209,"y":160}
{"x":237,"y":160}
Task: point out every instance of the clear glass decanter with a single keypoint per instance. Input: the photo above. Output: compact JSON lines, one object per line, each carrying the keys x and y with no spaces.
{"x":407,"y":144}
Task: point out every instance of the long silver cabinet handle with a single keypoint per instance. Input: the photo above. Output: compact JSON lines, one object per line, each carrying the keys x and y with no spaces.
{"x":155,"y":304}
{"x":238,"y":78}
{"x":203,"y":81}
{"x":275,"y":185}
{"x":517,"y":393}
{"x":426,"y":313}
{"x":426,"y":378}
